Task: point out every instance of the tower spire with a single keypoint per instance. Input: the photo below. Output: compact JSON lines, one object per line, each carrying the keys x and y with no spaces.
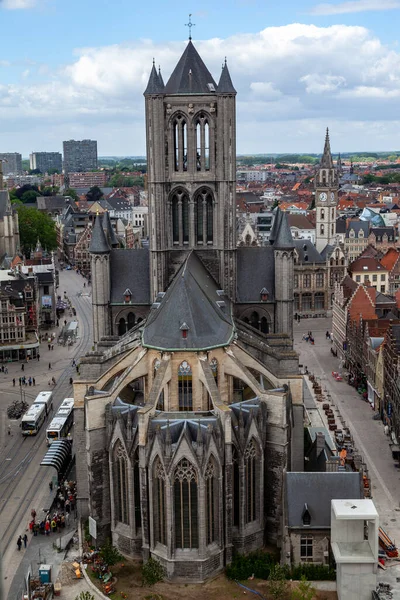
{"x":326,"y":160}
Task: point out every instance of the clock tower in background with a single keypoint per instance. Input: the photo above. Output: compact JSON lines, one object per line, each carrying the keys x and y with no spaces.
{"x":326,"y":198}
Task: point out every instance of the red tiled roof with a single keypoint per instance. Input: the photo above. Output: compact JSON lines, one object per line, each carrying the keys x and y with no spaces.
{"x":390,"y":258}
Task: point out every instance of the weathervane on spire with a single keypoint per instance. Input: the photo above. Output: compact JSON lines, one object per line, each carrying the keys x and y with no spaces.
{"x":190,"y":25}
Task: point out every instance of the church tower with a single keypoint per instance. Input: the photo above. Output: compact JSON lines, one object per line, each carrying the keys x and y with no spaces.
{"x":326,"y":198}
{"x":99,"y":250}
{"x":191,"y":158}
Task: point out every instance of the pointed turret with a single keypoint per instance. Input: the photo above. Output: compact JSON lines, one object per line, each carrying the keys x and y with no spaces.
{"x":283,"y":239}
{"x":225,"y":85}
{"x":275,"y":225}
{"x":98,"y":242}
{"x":160,"y":77}
{"x":326,"y":160}
{"x":155,"y":85}
{"x":111,"y":237}
{"x":190,"y":75}
{"x":339,"y":165}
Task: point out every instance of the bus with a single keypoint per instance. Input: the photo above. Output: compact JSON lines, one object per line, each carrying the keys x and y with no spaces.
{"x":45,"y":398}
{"x":33,"y":419}
{"x":61,"y":422}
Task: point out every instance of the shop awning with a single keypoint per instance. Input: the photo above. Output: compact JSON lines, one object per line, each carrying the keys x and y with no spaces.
{"x":58,"y":455}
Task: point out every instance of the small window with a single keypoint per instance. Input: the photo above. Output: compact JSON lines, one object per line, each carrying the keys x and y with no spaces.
{"x":358,"y":278}
{"x":382,"y":278}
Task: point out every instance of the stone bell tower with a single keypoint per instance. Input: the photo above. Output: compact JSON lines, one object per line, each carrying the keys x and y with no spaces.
{"x":326,"y":198}
{"x":191,"y":158}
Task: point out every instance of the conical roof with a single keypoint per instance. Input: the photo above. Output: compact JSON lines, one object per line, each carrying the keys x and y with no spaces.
{"x":190,"y":75}
{"x":225,"y":85}
{"x":98,"y":242}
{"x":326,"y":160}
{"x":111,"y":237}
{"x":160,"y":77}
{"x":275,"y":225}
{"x":155,"y":85}
{"x":283,"y":237}
{"x":192,"y":315}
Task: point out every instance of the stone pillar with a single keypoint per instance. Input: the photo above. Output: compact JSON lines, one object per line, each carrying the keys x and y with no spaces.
{"x":180,"y":218}
{"x":192,"y":240}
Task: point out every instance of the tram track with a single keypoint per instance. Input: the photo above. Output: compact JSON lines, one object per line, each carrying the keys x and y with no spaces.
{"x":17,"y":474}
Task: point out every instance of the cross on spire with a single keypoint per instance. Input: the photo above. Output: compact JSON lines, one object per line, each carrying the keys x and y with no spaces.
{"x":190,"y":25}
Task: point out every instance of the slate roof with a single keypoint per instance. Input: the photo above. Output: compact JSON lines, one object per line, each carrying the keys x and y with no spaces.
{"x":327,"y":251}
{"x":357,"y":226}
{"x":225,"y":85}
{"x":191,"y":301}
{"x":340,"y":225}
{"x":155,"y":84}
{"x":299,"y":221}
{"x":111,"y":237}
{"x":52,"y":202}
{"x":317,"y":490}
{"x":130,"y":268}
{"x":349,"y":286}
{"x":307,"y":252}
{"x":255,"y":270}
{"x":98,"y":242}
{"x":365,"y":264}
{"x":190,"y":75}
{"x":379,"y":232}
{"x":283,"y":238}
{"x":46,"y":277}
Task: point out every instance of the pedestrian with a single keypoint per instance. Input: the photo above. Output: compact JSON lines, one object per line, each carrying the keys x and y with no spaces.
{"x":49,"y":366}
{"x":33,"y":381}
{"x":20,"y":381}
{"x":47,"y":527}
{"x":19,"y":542}
{"x":38,"y":357}
{"x":49,"y":346}
{"x":25,"y":538}
{"x":52,"y":346}
{"x":30,"y":381}
{"x":71,"y":381}
{"x":65,"y":321}
{"x":14,"y":381}
{"x":77,"y":369}
{"x":22,"y":367}
{"x":51,"y":486}
{"x":6,"y":370}
{"x":74,"y":363}
{"x":57,"y":322}
{"x":53,"y":381}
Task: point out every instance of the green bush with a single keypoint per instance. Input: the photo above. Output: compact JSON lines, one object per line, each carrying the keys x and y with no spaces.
{"x":277,"y":584}
{"x":260,"y":563}
{"x":110,"y":554}
{"x":152,"y":572}
{"x":304,"y":590}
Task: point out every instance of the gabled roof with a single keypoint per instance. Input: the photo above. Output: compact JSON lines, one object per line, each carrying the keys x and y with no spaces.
{"x":110,"y":234}
{"x":307,"y":252}
{"x":357,"y":226}
{"x":366,"y":264}
{"x":299,"y":221}
{"x":255,"y":270}
{"x":225,"y":85}
{"x":190,"y":75}
{"x":390,"y":259}
{"x":192,"y":299}
{"x":317,"y":490}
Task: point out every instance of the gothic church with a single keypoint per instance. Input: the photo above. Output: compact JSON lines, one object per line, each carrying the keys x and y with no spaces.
{"x":189,"y":410}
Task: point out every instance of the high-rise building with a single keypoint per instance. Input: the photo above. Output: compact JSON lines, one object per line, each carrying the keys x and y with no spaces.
{"x":12,"y":162}
{"x":46,"y":161}
{"x":79,"y":155}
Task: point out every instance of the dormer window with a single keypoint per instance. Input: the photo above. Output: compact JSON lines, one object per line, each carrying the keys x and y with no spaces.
{"x":127,"y":296}
{"x":306,"y":516}
{"x":184,"y":329}
{"x":264,"y":294}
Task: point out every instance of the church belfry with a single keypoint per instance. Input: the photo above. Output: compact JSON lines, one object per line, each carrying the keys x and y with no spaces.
{"x":326,"y":198}
{"x":191,"y":158}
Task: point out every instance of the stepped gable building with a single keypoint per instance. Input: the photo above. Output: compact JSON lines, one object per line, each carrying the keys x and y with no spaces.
{"x":185,"y":425}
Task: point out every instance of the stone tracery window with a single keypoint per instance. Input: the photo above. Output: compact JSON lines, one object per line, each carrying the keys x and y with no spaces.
{"x":159,"y":503}
{"x":136,"y":491}
{"x":251,"y":481}
{"x":180,"y":143}
{"x":235,"y":487}
{"x":185,"y":386}
{"x":186,"y":506}
{"x":211,"y":489}
{"x":203,"y":218}
{"x":121,"y":491}
{"x":180,"y":218}
{"x":202,"y":143}
{"x":160,"y":401}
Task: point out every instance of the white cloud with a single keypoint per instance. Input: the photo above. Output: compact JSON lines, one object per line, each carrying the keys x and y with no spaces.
{"x":354,"y":6}
{"x":17,"y":4}
{"x":296,"y":75}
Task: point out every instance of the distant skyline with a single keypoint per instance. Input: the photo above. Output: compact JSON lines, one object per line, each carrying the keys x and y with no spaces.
{"x":78,"y":70}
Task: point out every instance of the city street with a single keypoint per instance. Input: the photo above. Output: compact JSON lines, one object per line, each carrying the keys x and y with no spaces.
{"x":368,"y":435}
{"x":24,"y":484}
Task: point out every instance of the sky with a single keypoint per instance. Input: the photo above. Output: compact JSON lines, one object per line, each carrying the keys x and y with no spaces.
{"x":76,"y":69}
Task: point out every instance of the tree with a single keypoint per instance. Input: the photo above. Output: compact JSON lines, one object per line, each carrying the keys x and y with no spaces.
{"x":25,"y":188}
{"x":85,"y":596}
{"x":71,"y":192}
{"x":110,"y":554}
{"x":152,"y":572}
{"x":304,"y":590}
{"x":29,"y":196}
{"x":34,"y":225}
{"x":94,"y":194}
{"x":277,"y":585}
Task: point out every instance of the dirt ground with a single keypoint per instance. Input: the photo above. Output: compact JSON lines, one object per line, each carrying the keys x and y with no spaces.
{"x":129,"y":587}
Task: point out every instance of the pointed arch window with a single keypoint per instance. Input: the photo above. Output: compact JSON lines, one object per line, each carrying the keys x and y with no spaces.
{"x":185,"y":386}
{"x":214,"y":369}
{"x":202,"y":143}
{"x":180,"y":143}
{"x":131,"y":320}
{"x":186,"y":506}
{"x":235,"y":487}
{"x":122,"y":326}
{"x":159,"y":504}
{"x":250,"y":481}
{"x":203,"y":214}
{"x":322,"y":229}
{"x":211,"y":488}
{"x":136,"y":490}
{"x":180,"y":218}
{"x":160,"y":401}
{"x":322,"y":214}
{"x":121,"y":491}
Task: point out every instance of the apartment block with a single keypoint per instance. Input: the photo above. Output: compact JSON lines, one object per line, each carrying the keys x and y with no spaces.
{"x":79,"y":156}
{"x":12,"y":163}
{"x":88,"y":179}
{"x":46,"y":161}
